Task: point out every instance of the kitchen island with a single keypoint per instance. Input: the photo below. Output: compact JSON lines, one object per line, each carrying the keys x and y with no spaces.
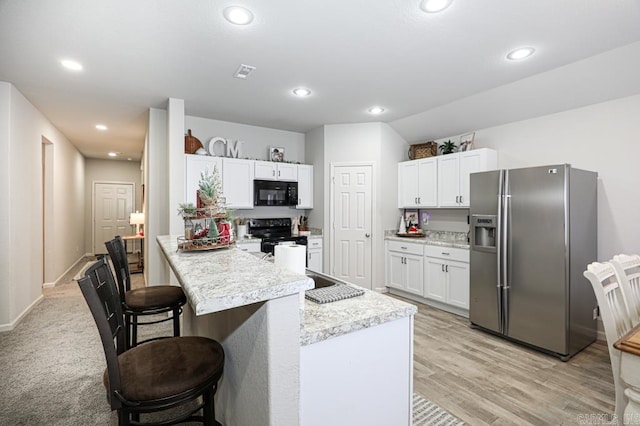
{"x":291,"y":361}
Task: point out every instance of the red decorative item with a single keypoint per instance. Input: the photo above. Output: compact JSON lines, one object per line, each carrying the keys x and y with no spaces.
{"x":224,"y":228}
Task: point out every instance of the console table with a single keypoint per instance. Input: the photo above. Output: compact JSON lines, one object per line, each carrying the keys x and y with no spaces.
{"x":140,"y":262}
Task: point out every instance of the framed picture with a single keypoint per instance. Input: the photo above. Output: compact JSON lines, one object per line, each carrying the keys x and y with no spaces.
{"x":276,"y":153}
{"x":466,"y":142}
{"x":411,"y":217}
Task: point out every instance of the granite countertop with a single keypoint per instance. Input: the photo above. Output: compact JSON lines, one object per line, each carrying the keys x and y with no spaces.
{"x":434,"y":238}
{"x":324,"y":321}
{"x":216,"y":280}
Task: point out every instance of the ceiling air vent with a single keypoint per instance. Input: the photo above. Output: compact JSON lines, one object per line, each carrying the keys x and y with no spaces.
{"x":244,"y":71}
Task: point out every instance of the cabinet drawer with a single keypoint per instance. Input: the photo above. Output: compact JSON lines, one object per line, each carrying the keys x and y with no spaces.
{"x":403,"y":247}
{"x":449,"y":253}
{"x":314,"y":243}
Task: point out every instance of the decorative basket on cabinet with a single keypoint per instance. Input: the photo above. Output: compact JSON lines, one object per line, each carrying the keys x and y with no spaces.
{"x":423,"y":150}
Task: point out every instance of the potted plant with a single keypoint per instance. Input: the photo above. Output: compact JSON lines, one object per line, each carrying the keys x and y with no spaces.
{"x":448,"y":147}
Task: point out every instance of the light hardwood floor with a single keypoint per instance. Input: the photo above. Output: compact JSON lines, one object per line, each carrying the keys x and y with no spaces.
{"x":486,"y":380}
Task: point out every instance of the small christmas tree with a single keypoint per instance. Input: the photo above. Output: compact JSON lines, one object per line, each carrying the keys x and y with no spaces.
{"x":210,"y":191}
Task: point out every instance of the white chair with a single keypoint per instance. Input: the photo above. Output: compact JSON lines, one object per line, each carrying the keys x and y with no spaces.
{"x":615,"y":319}
{"x":628,"y":271}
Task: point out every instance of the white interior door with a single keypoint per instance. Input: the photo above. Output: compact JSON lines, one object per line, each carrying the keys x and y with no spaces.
{"x":352,"y":217}
{"x":112,"y":205}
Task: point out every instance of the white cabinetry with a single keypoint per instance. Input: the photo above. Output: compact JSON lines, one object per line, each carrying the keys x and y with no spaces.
{"x":404,"y":266}
{"x":269,"y":170}
{"x":194,"y":165}
{"x":250,"y":247}
{"x":454,"y":171}
{"x":237,"y":182}
{"x":305,"y":186}
{"x":417,"y":183}
{"x":447,"y":276}
{"x":314,"y":254}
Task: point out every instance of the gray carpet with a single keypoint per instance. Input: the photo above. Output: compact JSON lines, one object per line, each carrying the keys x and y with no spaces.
{"x":51,"y":367}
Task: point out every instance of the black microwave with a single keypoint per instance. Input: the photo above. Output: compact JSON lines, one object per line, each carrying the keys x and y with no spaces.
{"x":275,"y":193}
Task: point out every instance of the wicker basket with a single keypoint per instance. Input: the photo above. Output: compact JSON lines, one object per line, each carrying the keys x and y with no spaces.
{"x":423,"y":150}
{"x":191,"y":143}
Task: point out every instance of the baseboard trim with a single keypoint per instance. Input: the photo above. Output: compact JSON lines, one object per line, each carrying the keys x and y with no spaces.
{"x":57,"y":281}
{"x":15,"y":322}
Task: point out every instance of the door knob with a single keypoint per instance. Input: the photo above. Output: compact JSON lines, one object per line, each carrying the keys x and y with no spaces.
{"x":367,"y":235}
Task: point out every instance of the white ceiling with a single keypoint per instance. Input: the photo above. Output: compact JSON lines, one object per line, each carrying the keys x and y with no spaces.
{"x":352,"y":54}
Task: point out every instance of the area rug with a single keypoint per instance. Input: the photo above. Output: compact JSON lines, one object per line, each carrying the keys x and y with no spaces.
{"x":426,"y":413}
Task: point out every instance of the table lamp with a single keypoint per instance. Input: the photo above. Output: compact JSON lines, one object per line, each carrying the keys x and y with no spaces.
{"x":137,"y":219}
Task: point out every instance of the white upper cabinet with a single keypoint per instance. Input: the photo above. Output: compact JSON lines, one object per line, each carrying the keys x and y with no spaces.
{"x":194,"y":165}
{"x":270,"y":170}
{"x":305,"y":186}
{"x":454,"y":171}
{"x":417,"y":183}
{"x":237,"y":182}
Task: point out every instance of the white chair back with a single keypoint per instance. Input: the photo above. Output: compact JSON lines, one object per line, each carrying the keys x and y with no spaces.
{"x":615,"y":319}
{"x":627,"y":268}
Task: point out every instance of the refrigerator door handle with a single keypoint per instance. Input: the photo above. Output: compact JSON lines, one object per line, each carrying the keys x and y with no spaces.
{"x":499,"y":232}
{"x":505,"y":255}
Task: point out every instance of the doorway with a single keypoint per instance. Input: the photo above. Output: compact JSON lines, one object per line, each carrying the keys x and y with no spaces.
{"x":352,"y":219}
{"x":112,"y":206}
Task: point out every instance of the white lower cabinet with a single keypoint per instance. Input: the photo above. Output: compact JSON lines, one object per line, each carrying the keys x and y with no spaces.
{"x":438,"y":275}
{"x":447,"y":275}
{"x":252,"y":247}
{"x":314,"y":254}
{"x":404,"y":266}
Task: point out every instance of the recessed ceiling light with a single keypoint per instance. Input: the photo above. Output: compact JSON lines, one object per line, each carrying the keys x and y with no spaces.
{"x":238,"y":15}
{"x":101,"y":127}
{"x":520,"y":53}
{"x":302,"y":92}
{"x":113,"y":154}
{"x":71,"y":65}
{"x":434,"y":6}
{"x":376,"y":110}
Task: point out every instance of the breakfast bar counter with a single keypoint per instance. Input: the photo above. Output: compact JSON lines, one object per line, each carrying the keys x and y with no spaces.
{"x":287,"y":358}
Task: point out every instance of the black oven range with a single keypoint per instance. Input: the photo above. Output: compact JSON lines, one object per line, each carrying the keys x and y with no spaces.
{"x":273,"y":232}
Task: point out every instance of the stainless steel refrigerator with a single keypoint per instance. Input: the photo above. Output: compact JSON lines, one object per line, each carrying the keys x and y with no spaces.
{"x":533,"y":232}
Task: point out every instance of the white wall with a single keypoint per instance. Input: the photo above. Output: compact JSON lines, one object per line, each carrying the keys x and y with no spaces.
{"x":157,"y":211}
{"x":23,"y":208}
{"x":6,"y":271}
{"x":257,"y":140}
{"x":314,"y":155}
{"x":379,"y":144}
{"x":97,"y":170}
{"x":604,"y":138}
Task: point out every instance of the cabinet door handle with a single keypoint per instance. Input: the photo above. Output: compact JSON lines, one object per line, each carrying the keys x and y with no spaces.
{"x":419,"y":200}
{"x":403,"y":248}
{"x":442,"y":267}
{"x":461,"y":199}
{"x":367,"y":235}
{"x":445,"y":253}
{"x":273,"y":173}
{"x":447,"y":268}
{"x":278,"y":173}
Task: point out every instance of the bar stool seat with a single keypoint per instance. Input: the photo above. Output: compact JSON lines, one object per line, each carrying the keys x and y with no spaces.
{"x":167,"y":367}
{"x":158,"y":297}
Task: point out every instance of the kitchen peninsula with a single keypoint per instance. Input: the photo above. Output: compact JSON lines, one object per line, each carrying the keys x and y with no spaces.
{"x":291,"y":361}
